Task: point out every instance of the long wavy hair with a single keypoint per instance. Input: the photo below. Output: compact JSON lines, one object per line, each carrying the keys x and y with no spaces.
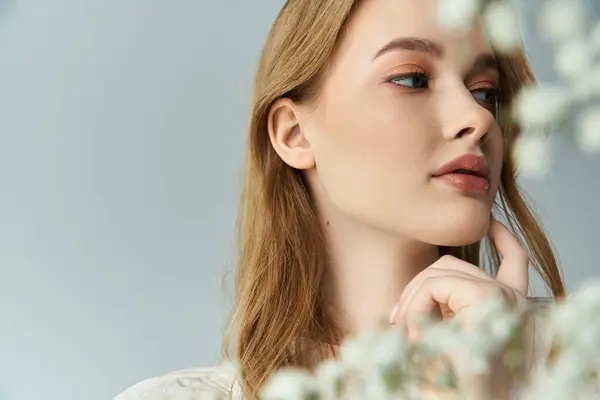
{"x":278,"y":298}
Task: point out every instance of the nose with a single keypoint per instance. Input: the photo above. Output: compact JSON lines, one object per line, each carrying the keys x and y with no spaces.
{"x":464,"y":117}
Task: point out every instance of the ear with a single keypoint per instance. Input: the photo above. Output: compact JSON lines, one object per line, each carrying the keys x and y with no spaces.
{"x":287,"y":138}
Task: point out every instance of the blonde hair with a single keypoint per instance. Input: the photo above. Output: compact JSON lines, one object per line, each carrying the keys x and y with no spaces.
{"x":278,"y":299}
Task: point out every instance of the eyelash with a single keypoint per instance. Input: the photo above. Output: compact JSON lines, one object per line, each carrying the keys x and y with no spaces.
{"x":492,"y":106}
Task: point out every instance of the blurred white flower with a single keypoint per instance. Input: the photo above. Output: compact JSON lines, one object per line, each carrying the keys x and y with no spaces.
{"x":587,"y":342}
{"x":440,"y":337}
{"x":569,"y":369}
{"x":479,"y":364}
{"x":389,"y":348}
{"x":537,"y":106}
{"x":552,"y":385}
{"x":290,"y":384}
{"x":594,"y":39}
{"x":562,"y":20}
{"x":573,"y":59}
{"x":563,"y":320}
{"x":357,"y":350}
{"x":593,"y":76}
{"x":503,"y":326}
{"x":375,"y":388}
{"x":588,"y":293}
{"x":573,"y":326}
{"x":533,"y":154}
{"x":330,"y":375}
{"x":457,"y":14}
{"x":588,"y":130}
{"x":586,"y":86}
{"x":502,"y":25}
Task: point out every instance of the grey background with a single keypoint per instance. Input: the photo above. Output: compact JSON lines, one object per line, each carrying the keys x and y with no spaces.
{"x":121,"y":135}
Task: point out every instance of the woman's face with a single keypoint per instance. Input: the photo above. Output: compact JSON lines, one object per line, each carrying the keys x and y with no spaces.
{"x":402,"y":98}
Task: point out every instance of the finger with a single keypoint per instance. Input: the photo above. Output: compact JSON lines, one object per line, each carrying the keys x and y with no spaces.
{"x":445,"y":263}
{"x":457,"y":292}
{"x":409,"y":290}
{"x":407,"y":298}
{"x":448,"y":262}
{"x":513,"y":270}
{"x":414,"y":285}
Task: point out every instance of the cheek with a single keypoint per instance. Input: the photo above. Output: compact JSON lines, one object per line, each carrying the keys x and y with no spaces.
{"x":369,"y":156}
{"x":371,"y":129}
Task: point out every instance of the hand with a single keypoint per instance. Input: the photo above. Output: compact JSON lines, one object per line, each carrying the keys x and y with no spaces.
{"x":455,"y":285}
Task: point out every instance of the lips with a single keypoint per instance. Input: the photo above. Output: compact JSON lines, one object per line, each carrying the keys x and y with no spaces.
{"x":468,"y":172}
{"x":468,"y":164}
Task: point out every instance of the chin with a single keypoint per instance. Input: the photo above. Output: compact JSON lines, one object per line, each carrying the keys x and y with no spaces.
{"x":459,"y":229}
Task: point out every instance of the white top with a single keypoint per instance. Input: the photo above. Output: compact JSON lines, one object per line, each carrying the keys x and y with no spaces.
{"x":190,"y":384}
{"x":220,"y":382}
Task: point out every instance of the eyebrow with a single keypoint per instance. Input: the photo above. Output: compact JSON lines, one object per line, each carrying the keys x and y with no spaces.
{"x":412,"y":44}
{"x":484,"y":61}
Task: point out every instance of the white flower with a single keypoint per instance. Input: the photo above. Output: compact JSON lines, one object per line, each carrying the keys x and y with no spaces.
{"x":588,"y":293}
{"x":551,"y":386}
{"x":533,"y":155}
{"x":502,"y":26}
{"x":574,"y":326}
{"x":503,"y":326}
{"x":569,"y":367}
{"x":541,"y":105}
{"x":289,"y":384}
{"x":587,"y":85}
{"x":587,"y":342}
{"x":573,"y":59}
{"x":457,"y":14}
{"x":330,"y":375}
{"x":563,"y":320}
{"x":440,"y":337}
{"x":389,"y":348}
{"x":562,"y":20}
{"x":479,"y":364}
{"x":375,"y":389}
{"x":594,"y":39}
{"x":588,"y":130}
{"x":357,"y":350}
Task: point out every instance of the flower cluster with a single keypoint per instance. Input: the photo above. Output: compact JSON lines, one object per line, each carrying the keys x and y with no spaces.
{"x":383,"y":365}
{"x":571,"y":105}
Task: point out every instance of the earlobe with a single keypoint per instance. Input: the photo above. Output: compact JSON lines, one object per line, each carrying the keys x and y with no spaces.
{"x":287,"y":137}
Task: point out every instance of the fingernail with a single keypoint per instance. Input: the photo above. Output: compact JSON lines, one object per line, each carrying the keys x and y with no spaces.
{"x":393,"y":313}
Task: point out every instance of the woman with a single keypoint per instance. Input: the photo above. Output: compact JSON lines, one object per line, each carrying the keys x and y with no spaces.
{"x":377,"y":149}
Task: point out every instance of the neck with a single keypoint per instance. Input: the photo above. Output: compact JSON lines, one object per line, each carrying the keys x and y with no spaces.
{"x":368,"y":271}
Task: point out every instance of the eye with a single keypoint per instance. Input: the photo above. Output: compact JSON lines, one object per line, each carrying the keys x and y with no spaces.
{"x":488,"y":98}
{"x":413,"y":80}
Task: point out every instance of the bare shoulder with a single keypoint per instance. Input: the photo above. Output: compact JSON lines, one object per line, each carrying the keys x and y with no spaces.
{"x":210,"y":382}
